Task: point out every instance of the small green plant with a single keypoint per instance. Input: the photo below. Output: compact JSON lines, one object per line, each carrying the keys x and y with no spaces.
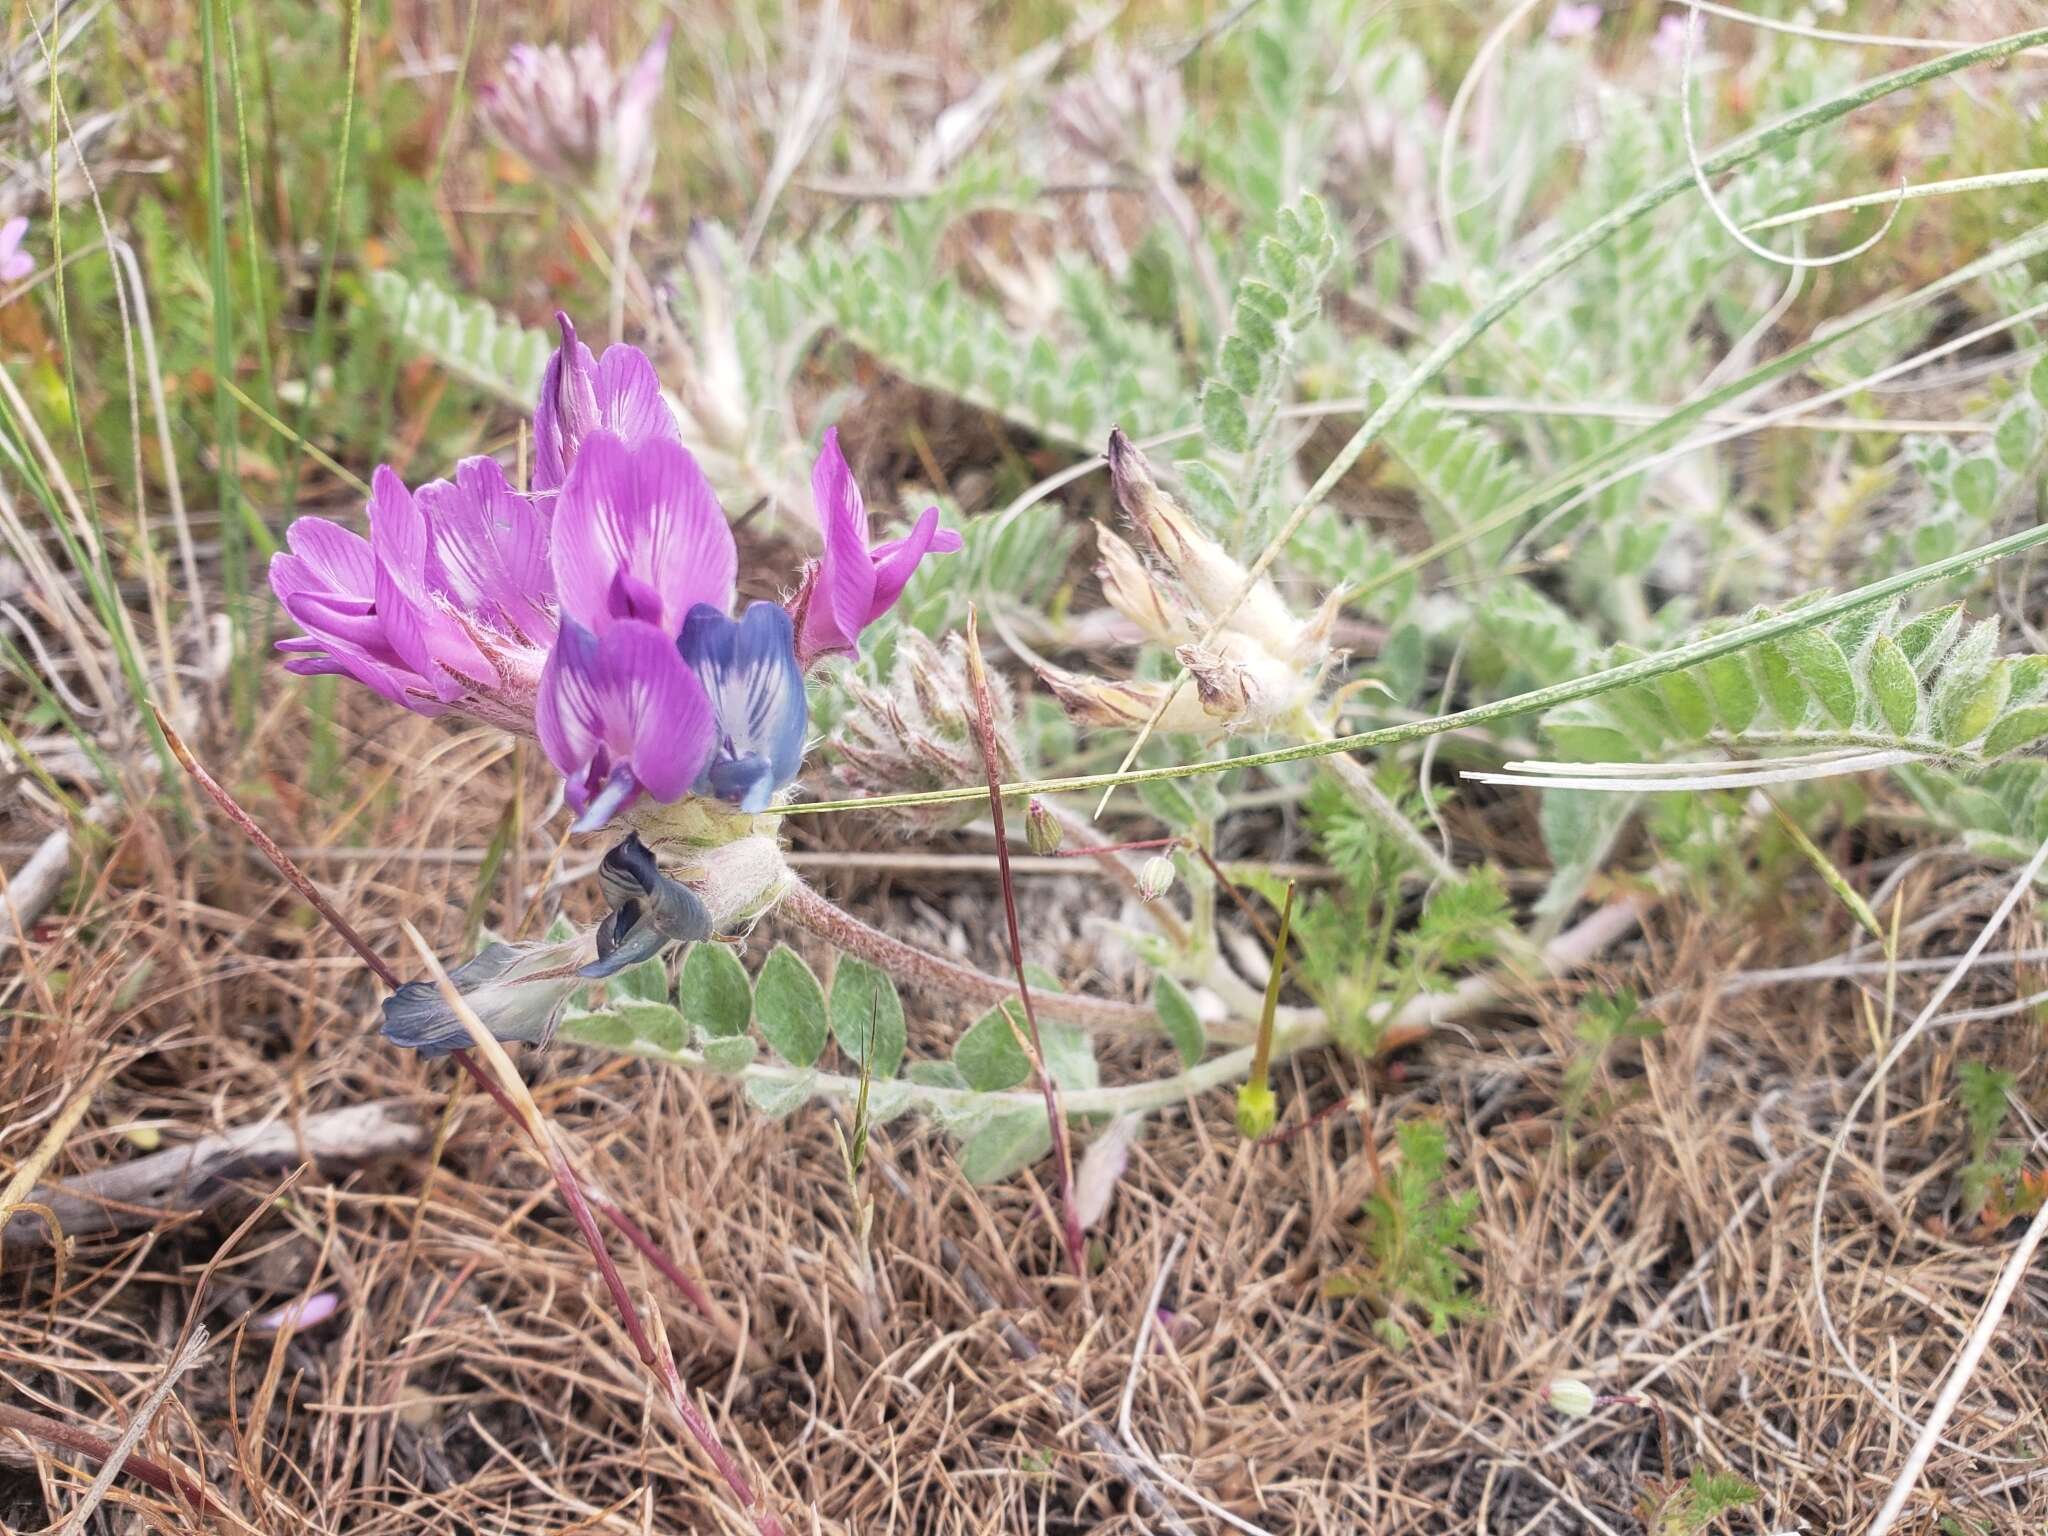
{"x":1413,"y":1234}
{"x":1606,"y":1019}
{"x":1697,"y":1503}
{"x":1983,"y":1092}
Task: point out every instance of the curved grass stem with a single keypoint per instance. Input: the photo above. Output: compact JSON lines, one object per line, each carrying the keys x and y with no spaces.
{"x":1643,"y":669}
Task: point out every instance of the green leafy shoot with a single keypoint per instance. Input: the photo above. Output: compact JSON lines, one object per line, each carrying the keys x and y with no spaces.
{"x":1984,"y":1094}
{"x":1700,"y":1501}
{"x":1414,"y":1234}
{"x":1606,"y":1019}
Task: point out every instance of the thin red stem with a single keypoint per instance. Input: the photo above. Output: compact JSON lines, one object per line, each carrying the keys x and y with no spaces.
{"x":1137,"y":846}
{"x":83,"y":1442}
{"x":1062,"y":1148}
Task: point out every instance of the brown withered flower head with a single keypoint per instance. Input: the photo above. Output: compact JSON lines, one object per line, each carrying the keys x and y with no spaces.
{"x":1257,"y":670}
{"x":919,"y":733}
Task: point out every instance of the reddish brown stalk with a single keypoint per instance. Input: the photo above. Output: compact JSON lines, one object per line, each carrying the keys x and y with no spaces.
{"x":81,"y":1442}
{"x":1631,"y":1400}
{"x":1236,"y":895}
{"x":1100,"y":849}
{"x":661,"y":1363}
{"x":284,"y":866}
{"x":1062,"y":1149}
{"x":1289,"y":1132}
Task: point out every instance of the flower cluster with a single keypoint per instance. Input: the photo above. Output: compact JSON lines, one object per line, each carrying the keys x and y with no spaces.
{"x":572,"y":116}
{"x":594,"y":611}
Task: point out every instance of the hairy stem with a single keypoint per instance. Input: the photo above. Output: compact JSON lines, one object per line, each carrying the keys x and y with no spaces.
{"x":1643,"y":669}
{"x":1411,"y":1022}
{"x":948,"y":978}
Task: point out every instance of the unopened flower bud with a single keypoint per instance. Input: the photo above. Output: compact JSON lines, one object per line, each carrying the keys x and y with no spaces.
{"x":1256,"y":1110}
{"x":1042,"y":829}
{"x":1212,"y":578}
{"x":1155,"y":877}
{"x":1574,"y":1399}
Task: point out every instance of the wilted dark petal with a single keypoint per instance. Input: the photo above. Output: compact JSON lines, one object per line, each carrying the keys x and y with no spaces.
{"x":418,"y":1017}
{"x":628,"y":872}
{"x":649,"y":910}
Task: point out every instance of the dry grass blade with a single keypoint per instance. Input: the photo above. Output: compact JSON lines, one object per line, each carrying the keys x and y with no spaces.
{"x":138,"y":1426}
{"x":1062,"y":1144}
{"x":659,"y":1361}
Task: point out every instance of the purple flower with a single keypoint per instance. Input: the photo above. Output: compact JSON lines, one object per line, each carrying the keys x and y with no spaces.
{"x":1669,"y":42}
{"x":639,"y":535}
{"x":15,"y":263}
{"x":621,"y":713}
{"x":855,"y":583}
{"x":749,"y":670}
{"x":446,"y":604}
{"x":1570,"y":21}
{"x":580,"y":395}
{"x":491,"y":548}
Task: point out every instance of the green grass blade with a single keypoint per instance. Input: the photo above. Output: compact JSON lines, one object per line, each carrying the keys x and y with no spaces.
{"x":1639,"y":671}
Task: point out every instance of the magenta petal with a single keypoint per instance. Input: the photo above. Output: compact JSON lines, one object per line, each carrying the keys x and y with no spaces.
{"x":581,"y":395}
{"x":422,"y":633}
{"x":623,"y":699}
{"x":663,"y":719}
{"x":846,"y":576}
{"x":894,"y":561}
{"x":645,"y":514}
{"x":566,"y":411}
{"x":339,"y":557}
{"x":568,"y":716}
{"x":629,"y":402}
{"x":491,"y":549}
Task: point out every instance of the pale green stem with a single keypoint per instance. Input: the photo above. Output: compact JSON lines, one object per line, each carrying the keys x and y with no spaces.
{"x":1641,"y":670}
{"x":1564,"y":954}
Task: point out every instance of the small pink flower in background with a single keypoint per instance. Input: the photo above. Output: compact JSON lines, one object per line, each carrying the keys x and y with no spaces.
{"x":577,"y":119}
{"x":15,"y":263}
{"x":1570,"y":21}
{"x":296,"y":1315}
{"x":1669,"y":43}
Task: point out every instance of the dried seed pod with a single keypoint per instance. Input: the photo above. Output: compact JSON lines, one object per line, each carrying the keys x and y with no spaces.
{"x":1042,"y":829}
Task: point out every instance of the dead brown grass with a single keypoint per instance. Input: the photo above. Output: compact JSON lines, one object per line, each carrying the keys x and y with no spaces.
{"x":475,"y":1377}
